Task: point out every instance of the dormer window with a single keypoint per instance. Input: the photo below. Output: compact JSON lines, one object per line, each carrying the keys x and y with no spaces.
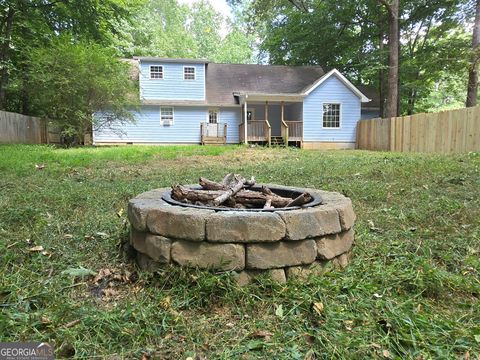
{"x":156,"y":72}
{"x":189,"y":73}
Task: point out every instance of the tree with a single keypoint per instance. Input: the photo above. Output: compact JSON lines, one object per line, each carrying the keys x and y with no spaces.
{"x":393,"y":10}
{"x":26,"y":25}
{"x":361,"y":39}
{"x":473,"y":67}
{"x":70,"y":82}
{"x":165,"y":28}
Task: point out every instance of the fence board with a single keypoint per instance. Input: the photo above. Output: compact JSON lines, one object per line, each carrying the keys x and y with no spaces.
{"x":451,"y":131}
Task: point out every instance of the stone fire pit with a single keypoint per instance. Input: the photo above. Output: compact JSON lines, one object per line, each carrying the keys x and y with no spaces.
{"x":285,"y":242}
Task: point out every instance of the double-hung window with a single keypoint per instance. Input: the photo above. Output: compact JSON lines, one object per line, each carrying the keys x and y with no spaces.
{"x":189,"y":73}
{"x":331,"y":115}
{"x":166,"y":115}
{"x":156,"y":72}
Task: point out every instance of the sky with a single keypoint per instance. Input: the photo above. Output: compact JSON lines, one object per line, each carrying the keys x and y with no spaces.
{"x":219,"y":5}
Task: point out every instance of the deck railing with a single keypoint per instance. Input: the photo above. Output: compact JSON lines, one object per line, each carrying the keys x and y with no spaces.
{"x":213,"y":133}
{"x":295,"y":130}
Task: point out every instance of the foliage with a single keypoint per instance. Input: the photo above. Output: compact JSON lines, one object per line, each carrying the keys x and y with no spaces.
{"x":165,"y":28}
{"x":70,"y":81}
{"x":351,"y":36}
{"x":410,"y":292}
{"x":34,"y":24}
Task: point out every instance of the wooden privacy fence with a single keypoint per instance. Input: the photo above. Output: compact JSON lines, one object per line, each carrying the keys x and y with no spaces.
{"x":21,"y":129}
{"x":450,"y":131}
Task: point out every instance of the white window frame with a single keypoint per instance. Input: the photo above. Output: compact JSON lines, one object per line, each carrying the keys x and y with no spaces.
{"x":194,"y":73}
{"x":217,"y":110}
{"x":156,"y":78}
{"x":165,"y":122}
{"x":340,"y":111}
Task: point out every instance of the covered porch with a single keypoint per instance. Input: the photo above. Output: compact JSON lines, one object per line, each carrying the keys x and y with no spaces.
{"x":271,"y":119}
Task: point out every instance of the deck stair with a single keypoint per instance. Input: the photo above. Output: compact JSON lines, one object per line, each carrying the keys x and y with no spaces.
{"x":277,"y":141}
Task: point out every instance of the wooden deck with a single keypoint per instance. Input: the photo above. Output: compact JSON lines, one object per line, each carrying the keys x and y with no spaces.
{"x":213,"y":134}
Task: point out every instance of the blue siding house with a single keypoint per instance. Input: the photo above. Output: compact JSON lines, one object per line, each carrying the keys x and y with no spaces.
{"x":187,"y":101}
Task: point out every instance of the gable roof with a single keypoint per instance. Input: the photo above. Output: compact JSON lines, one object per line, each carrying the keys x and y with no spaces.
{"x":343,"y":79}
{"x":223,"y":80}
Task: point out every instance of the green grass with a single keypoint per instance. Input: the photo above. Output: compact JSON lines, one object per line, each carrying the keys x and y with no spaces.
{"x":412,"y":290}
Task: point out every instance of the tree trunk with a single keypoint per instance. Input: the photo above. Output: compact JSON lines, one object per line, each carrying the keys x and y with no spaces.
{"x":4,"y":56}
{"x":381,"y":72}
{"x":473,"y":71}
{"x":393,"y":55}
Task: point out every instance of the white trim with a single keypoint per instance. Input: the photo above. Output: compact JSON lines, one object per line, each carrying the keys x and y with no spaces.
{"x":343,"y":79}
{"x":150,"y":72}
{"x":341,"y":115}
{"x":217,"y":110}
{"x":173,"y":115}
{"x":194,"y":72}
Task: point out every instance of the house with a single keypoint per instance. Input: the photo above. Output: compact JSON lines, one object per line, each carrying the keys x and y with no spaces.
{"x":189,"y":101}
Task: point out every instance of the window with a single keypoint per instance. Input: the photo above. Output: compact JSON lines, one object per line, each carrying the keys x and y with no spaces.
{"x":250,"y":114}
{"x":166,"y":115}
{"x":189,"y":73}
{"x":156,"y":72}
{"x":331,"y":115}
{"x":212,"y":116}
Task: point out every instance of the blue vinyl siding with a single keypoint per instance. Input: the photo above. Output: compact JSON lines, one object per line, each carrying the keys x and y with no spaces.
{"x":332,"y":90}
{"x":172,"y":86}
{"x":185,"y":129}
{"x":231,"y":116}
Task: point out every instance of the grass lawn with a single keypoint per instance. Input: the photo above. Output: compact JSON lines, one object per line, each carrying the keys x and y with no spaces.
{"x":412,"y":290}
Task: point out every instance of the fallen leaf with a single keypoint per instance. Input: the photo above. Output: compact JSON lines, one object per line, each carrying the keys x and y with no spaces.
{"x":318,"y":307}
{"x":120,"y":212}
{"x":46,"y":253}
{"x":71,"y":324}
{"x":147,"y":357}
{"x":386,"y":354}
{"x":78,"y":272}
{"x":37,"y":248}
{"x":101,"y":274}
{"x":279,"y":311}
{"x":109,"y":292}
{"x":348,"y":324}
{"x":375,"y":345}
{"x":67,"y":236}
{"x":466,"y":356}
{"x":378,"y":296}
{"x":230,"y":325}
{"x":263,"y":334}
{"x":40,"y":166}
{"x":102,"y":234}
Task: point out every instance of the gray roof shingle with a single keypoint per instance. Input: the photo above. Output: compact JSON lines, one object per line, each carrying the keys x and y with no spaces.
{"x":222,"y":80}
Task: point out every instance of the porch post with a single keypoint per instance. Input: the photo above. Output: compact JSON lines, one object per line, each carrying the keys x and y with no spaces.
{"x":282,"y":110}
{"x":266,"y":110}
{"x":245,"y":125}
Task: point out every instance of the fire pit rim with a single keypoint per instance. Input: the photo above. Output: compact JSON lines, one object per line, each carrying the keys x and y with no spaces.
{"x":277,"y":189}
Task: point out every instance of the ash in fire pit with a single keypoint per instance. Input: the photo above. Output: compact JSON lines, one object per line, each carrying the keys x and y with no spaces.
{"x":236,"y":225}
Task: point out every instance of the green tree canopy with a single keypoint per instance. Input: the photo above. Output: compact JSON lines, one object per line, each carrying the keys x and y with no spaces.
{"x":69,"y":82}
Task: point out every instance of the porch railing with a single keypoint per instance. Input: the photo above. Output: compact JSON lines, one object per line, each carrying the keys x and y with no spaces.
{"x":295,"y":130}
{"x":213,"y":133}
{"x":257,"y":130}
